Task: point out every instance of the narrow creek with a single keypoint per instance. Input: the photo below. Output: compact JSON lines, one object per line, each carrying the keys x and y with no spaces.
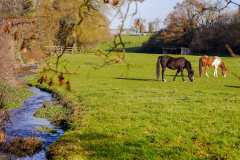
{"x":22,"y":123}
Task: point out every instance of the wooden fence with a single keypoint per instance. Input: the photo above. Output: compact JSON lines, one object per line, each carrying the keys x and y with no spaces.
{"x":69,"y":50}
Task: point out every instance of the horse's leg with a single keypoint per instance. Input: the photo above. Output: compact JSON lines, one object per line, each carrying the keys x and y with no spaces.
{"x":163,"y":73}
{"x":215,"y":71}
{"x":206,"y":71}
{"x":178,"y":71}
{"x":182,"y":74}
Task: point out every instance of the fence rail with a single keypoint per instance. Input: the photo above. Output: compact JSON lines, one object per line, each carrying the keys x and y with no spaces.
{"x":67,"y":49}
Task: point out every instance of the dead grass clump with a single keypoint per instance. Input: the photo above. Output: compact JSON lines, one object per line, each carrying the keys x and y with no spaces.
{"x":68,"y":86}
{"x":50,"y":83}
{"x":61,"y":79}
{"x":43,"y":79}
{"x":2,"y":137}
{"x":23,"y":146}
{"x":4,"y":117}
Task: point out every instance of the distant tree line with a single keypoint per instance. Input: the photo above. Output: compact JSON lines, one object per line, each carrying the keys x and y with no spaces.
{"x":204,"y":27}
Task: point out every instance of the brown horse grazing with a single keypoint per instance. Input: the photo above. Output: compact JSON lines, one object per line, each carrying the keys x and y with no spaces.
{"x":178,"y":64}
{"x":206,"y":62}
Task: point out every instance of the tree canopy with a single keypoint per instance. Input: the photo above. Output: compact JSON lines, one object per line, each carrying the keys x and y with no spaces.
{"x":72,"y":22}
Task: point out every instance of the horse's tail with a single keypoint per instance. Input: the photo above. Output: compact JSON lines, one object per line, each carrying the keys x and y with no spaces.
{"x":200,"y":67}
{"x":158,"y":67}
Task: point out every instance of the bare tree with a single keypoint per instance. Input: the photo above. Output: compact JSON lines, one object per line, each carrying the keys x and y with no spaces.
{"x":199,"y":25}
{"x":122,"y":13}
{"x":139,"y":25}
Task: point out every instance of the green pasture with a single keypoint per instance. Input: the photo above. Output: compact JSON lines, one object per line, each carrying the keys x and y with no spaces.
{"x":122,"y":113}
{"x":132,"y":42}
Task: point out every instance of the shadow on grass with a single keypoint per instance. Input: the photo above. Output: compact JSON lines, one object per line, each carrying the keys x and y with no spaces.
{"x":159,"y":51}
{"x":148,"y":79}
{"x":100,"y":147}
{"x":138,"y":50}
{"x":136,"y":79}
{"x":109,"y":148}
{"x":231,"y":86}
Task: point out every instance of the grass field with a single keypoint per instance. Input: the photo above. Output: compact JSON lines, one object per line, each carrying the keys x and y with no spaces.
{"x":122,"y":112}
{"x":132,"y":43}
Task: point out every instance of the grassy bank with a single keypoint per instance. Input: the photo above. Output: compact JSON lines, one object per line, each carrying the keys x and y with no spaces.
{"x":11,"y":96}
{"x":56,"y":113}
{"x":121,"y":112}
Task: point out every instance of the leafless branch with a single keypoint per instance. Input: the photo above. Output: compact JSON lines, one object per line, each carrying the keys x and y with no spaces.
{"x":226,"y":5}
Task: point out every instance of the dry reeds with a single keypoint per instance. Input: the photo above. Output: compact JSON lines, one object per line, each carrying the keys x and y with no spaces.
{"x":23,"y":146}
{"x":43,"y":79}
{"x":61,"y":79}
{"x":2,"y":137}
{"x":68,"y":85}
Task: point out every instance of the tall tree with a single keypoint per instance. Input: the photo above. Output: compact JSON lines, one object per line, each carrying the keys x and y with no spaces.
{"x":71,"y":22}
{"x":15,"y":8}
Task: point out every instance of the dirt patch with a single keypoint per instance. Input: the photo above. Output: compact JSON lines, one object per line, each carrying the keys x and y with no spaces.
{"x":23,"y":146}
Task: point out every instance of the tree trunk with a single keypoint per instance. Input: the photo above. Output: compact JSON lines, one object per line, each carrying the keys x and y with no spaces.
{"x":231,"y":52}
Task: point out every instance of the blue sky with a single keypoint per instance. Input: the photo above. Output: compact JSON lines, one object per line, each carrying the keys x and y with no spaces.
{"x":150,"y":10}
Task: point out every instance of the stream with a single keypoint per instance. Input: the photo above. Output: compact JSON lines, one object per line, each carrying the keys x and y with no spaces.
{"x":23,"y":123}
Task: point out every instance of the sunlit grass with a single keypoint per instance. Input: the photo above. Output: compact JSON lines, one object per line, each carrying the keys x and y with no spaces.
{"x":124,"y":113}
{"x":129,"y":41}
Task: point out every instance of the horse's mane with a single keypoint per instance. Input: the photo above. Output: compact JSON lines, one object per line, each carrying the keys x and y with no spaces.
{"x":189,"y":65}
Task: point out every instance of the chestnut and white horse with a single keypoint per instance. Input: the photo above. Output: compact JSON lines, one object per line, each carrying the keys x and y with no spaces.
{"x":206,"y":62}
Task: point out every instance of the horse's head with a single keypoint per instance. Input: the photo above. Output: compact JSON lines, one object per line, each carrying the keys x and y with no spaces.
{"x":224,"y":70}
{"x":224,"y":73}
{"x":191,"y":75}
{"x":190,"y":71}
